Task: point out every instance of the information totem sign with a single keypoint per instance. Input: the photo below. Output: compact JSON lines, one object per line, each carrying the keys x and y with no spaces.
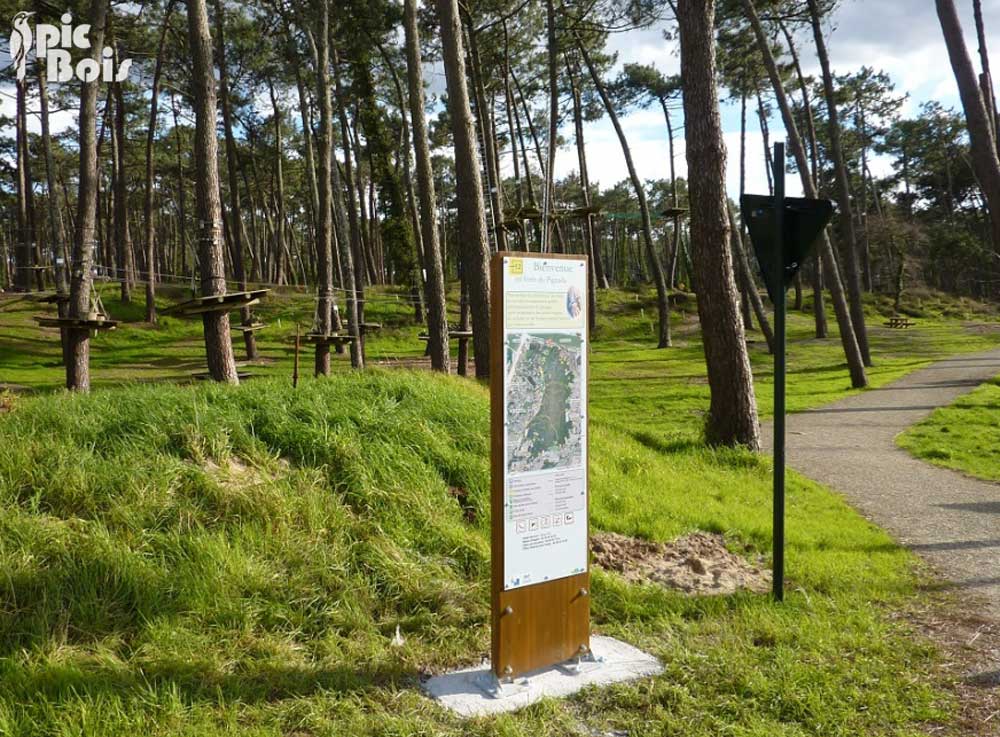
{"x":538,"y":389}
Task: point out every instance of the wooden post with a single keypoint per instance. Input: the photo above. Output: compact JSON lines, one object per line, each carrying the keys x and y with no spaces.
{"x":295,"y":370}
{"x":541,"y":617}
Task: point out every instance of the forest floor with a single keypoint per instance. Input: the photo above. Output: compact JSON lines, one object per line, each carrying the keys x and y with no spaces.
{"x":219,"y":560}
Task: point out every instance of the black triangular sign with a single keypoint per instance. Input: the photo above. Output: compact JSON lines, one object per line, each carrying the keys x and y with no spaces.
{"x":804,"y":221}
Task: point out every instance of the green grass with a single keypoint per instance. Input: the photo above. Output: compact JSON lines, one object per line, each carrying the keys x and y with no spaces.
{"x":624,"y":346}
{"x":638,"y":387}
{"x":173,"y":349}
{"x":209,"y":560}
{"x":964,"y":436}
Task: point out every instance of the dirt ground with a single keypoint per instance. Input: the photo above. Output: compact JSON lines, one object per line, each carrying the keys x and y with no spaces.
{"x":699,"y":563}
{"x":969,"y":638}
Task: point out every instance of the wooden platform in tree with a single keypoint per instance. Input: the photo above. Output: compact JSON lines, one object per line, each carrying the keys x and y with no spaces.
{"x":452,"y":335}
{"x":514,"y":218}
{"x":229,"y":302}
{"x":52,"y":298}
{"x":51,"y":321}
{"x":673,"y":212}
{"x":335,"y":338}
{"x":370,"y":327}
{"x":251,"y":328}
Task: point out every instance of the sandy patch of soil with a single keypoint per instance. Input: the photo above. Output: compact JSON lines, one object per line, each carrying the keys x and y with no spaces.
{"x":698,"y":563}
{"x":982,"y":328}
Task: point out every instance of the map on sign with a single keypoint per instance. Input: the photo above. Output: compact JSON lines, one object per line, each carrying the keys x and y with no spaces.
{"x":544,"y":379}
{"x":545,"y":419}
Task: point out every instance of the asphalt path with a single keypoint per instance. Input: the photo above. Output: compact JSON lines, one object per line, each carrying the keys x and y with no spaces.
{"x":950,"y":519}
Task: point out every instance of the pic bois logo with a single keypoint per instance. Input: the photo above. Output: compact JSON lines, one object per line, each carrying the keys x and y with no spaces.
{"x":54,"y":44}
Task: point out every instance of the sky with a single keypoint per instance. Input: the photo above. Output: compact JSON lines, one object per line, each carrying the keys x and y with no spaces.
{"x":901,"y":37}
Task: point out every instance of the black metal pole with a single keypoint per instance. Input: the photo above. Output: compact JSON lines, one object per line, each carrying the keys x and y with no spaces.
{"x":780,"y":308}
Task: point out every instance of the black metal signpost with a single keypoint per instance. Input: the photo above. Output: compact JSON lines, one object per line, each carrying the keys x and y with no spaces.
{"x":782,"y":230}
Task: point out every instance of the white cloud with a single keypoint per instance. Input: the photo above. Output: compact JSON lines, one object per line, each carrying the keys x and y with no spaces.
{"x":651,"y":155}
{"x":901,"y":37}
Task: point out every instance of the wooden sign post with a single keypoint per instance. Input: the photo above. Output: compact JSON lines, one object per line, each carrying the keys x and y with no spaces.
{"x":538,"y":389}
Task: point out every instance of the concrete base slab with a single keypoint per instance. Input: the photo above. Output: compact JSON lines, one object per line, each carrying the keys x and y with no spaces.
{"x":473,"y":691}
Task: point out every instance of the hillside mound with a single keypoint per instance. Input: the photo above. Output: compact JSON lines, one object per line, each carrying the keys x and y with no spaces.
{"x":237,"y":541}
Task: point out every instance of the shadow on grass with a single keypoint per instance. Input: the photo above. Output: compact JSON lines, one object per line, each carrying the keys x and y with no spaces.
{"x":662,"y":444}
{"x":253,"y":682}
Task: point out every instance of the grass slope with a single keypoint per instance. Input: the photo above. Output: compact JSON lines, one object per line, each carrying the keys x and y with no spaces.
{"x":235,"y":560}
{"x":964,"y":436}
{"x":624,"y":346}
{"x":215,"y":560}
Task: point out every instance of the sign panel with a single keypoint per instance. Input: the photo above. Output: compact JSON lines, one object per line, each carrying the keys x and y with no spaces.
{"x":803,"y":222}
{"x":545,"y":424}
{"x":540,"y":590}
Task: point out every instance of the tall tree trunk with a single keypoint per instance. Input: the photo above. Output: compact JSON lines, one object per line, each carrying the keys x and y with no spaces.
{"x":280,"y":228}
{"x":181,"y":195}
{"x":218,"y":344}
{"x":324,"y":251}
{"x":5,"y":239}
{"x":123,"y":237}
{"x":357,"y":259}
{"x":676,"y":239}
{"x":732,"y":416}
{"x":416,"y":275}
{"x":819,"y":308}
{"x":305,"y":117}
{"x":529,"y":186}
{"x":33,"y":229}
{"x":23,"y":249}
{"x":553,"y":132}
{"x":471,"y":206}
{"x":743,"y":265}
{"x":513,"y":135}
{"x":57,"y":229}
{"x":147,"y":202}
{"x":437,"y":316}
{"x":806,"y":100}
{"x":236,"y":229}
{"x":78,"y":348}
{"x":589,"y":240}
{"x":847,"y":338}
{"x":765,"y":136}
{"x":745,"y":285}
{"x":984,"y":147}
{"x":848,"y":235}
{"x":590,"y":231}
{"x":490,"y":154}
{"x":984,"y":58}
{"x":655,"y":266}
{"x":866,"y":259}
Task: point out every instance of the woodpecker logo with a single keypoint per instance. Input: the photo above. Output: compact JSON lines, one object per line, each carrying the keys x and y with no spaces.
{"x":54,"y":44}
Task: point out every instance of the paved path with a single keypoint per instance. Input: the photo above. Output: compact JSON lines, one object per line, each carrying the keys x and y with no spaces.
{"x":951,"y":520}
